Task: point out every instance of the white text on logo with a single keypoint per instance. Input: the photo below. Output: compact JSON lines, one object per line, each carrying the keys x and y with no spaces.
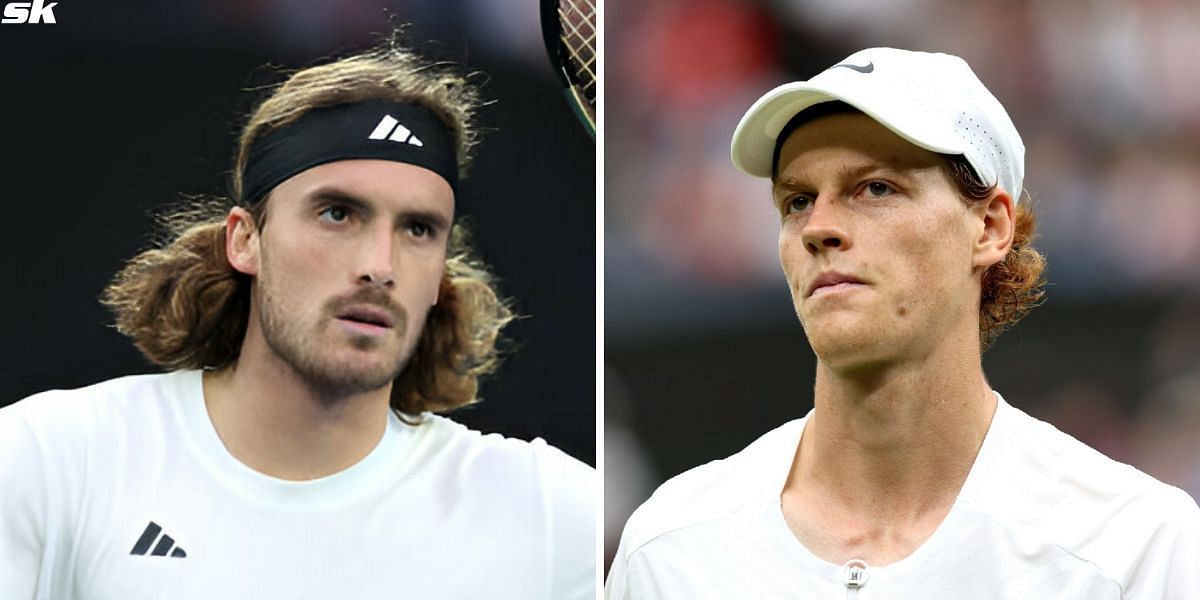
{"x":29,"y":12}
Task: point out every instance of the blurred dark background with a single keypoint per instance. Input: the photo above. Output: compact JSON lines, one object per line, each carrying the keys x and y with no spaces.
{"x":121,"y":107}
{"x":703,"y":352}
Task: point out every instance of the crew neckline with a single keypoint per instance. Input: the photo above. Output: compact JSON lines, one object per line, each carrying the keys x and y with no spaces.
{"x":386,"y":461}
{"x":817,"y":566}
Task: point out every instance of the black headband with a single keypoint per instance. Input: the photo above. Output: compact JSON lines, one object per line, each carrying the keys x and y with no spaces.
{"x":380,"y":129}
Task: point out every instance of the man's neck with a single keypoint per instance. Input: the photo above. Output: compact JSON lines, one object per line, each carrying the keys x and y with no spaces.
{"x":271,"y":420}
{"x":885,"y":453}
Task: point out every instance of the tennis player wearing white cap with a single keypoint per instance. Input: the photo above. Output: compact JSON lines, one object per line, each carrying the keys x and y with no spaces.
{"x":905,"y":244}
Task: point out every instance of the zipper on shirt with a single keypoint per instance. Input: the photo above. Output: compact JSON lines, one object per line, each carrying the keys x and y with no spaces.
{"x":855,"y":574}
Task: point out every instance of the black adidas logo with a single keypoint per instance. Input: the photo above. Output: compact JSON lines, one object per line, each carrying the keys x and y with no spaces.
{"x":161,"y":548}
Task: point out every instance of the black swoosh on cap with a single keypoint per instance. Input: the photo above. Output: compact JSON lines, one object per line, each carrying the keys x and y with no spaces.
{"x":870,"y":66}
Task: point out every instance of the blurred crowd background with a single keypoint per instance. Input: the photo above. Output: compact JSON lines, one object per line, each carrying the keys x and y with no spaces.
{"x":124,"y":106}
{"x":703,"y":351}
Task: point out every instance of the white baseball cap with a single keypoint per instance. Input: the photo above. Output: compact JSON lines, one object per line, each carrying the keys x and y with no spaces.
{"x":933,"y":100}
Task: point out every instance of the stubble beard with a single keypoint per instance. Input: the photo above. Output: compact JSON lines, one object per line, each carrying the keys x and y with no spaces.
{"x":331,"y":378}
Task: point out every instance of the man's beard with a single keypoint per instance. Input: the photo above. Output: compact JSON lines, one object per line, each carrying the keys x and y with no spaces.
{"x":302,"y":350}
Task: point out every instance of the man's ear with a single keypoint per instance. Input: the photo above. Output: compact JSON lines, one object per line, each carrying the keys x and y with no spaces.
{"x":241,"y":241}
{"x":996,"y":227}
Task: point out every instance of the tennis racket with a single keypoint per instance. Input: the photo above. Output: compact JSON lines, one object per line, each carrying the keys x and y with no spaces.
{"x":569,"y":29}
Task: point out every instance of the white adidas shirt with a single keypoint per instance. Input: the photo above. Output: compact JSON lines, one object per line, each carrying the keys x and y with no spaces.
{"x":123,"y":490}
{"x":1041,"y":516}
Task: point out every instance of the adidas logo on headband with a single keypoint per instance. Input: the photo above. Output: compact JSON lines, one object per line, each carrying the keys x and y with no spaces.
{"x":333,"y":133}
{"x":390,"y":128}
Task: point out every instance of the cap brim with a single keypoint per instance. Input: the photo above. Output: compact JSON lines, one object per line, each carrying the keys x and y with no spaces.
{"x":753,"y":145}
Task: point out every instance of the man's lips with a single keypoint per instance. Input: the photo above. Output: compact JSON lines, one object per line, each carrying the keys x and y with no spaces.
{"x":369,"y":315}
{"x":830,"y":279}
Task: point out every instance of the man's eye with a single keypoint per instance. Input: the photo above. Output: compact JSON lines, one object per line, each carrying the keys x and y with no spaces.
{"x":334,"y":214}
{"x":797,"y":204}
{"x":879,"y":189}
{"x":420,"y":229}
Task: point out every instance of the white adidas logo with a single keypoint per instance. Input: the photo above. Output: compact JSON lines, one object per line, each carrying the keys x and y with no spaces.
{"x":398,"y":133}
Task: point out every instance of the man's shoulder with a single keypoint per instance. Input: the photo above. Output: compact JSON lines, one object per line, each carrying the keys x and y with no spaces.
{"x":487,"y":456}
{"x":1047,"y":458}
{"x":58,"y":433}
{"x":82,"y":406}
{"x":1050,"y":485}
{"x":716,"y":489}
{"x":474,"y":443}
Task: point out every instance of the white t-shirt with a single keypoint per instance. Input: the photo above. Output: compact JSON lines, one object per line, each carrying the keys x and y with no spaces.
{"x":124,"y":490}
{"x":1040,"y":516}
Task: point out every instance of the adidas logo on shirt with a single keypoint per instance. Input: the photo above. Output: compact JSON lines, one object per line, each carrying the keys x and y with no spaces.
{"x":391,"y":129}
{"x":161,"y":548}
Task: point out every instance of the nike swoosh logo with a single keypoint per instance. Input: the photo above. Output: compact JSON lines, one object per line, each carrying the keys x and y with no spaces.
{"x":861,"y":69}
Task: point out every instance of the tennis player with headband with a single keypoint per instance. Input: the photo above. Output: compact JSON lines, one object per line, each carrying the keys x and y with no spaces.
{"x":906,"y":245}
{"x":311,"y":332}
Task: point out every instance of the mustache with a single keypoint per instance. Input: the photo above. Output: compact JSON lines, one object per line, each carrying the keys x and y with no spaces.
{"x":373,"y":296}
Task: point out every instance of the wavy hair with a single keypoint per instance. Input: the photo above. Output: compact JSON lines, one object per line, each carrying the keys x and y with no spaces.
{"x":1013,"y":286}
{"x":185,"y":307}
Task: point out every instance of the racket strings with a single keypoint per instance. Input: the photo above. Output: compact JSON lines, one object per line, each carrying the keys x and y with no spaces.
{"x":578,"y":20}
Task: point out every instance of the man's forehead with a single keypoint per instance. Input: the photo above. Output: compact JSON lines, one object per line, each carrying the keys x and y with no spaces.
{"x":371,"y":181}
{"x":850,"y":144}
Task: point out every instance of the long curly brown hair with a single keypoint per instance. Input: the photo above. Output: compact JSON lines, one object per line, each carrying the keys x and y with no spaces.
{"x":185,"y":307}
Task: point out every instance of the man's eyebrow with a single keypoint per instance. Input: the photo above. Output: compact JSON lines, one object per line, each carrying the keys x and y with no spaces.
{"x":845,"y":172}
{"x":433,"y":218}
{"x":338,"y":196}
{"x":789,"y":183}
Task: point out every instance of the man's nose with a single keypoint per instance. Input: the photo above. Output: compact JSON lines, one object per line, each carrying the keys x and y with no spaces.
{"x":378,"y":261}
{"x":825,"y":227}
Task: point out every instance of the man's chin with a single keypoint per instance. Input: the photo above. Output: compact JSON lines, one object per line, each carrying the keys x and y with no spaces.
{"x":845,"y":341}
{"x":347,"y":376}
{"x":342,"y":383}
{"x":337,"y":365}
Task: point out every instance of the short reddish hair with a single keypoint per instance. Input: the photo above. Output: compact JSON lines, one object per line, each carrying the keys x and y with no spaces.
{"x":1013,"y":286}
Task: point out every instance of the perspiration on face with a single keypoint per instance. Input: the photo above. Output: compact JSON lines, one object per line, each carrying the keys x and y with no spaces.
{"x":858,"y":200}
{"x":368,"y":234}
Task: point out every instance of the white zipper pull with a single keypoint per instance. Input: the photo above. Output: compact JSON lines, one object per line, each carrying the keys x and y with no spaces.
{"x":855,"y":574}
